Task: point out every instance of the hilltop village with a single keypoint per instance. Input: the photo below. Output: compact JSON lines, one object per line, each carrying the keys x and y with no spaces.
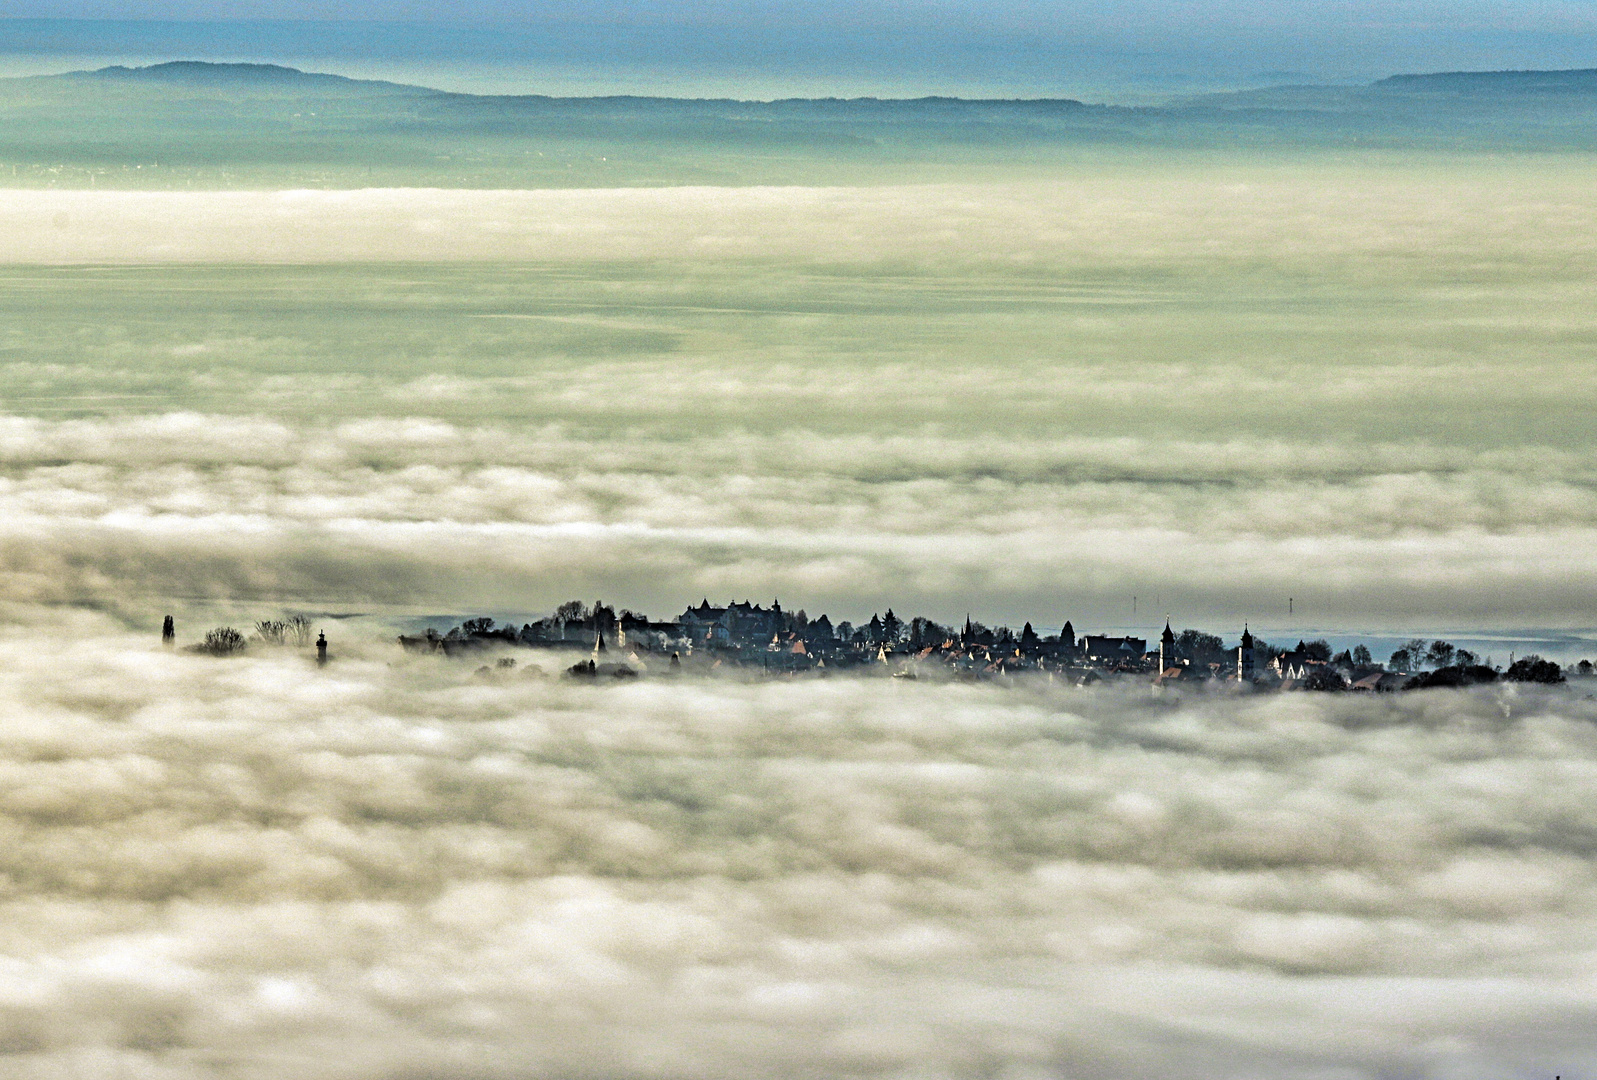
{"x":599,"y":642}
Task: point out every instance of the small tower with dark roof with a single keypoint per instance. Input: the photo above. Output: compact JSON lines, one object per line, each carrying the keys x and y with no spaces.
{"x":1167,"y":648}
{"x":1245,"y":656}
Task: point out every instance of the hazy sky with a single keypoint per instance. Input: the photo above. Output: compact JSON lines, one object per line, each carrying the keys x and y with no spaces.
{"x":1052,"y":17}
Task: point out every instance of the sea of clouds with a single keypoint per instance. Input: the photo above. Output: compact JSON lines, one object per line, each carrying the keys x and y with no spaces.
{"x":1359,"y":383}
{"x":420,"y":515}
{"x":1213,"y":212}
{"x":394,"y":868}
{"x":1363,"y":385}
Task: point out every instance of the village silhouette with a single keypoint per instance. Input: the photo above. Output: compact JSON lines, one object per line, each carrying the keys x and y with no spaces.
{"x":598,"y":641}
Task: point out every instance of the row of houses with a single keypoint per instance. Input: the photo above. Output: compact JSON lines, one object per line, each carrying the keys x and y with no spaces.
{"x":775,"y":640}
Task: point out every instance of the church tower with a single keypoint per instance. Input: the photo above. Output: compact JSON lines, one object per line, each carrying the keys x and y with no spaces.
{"x":1167,"y":649}
{"x":1245,"y":656}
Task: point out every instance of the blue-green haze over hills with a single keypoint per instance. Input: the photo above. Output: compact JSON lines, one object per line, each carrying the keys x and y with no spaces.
{"x":193,"y":124}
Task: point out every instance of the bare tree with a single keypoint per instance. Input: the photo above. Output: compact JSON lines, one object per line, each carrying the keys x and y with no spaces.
{"x":300,"y":629}
{"x":295,"y":630}
{"x":274,"y":631}
{"x":223,"y":641}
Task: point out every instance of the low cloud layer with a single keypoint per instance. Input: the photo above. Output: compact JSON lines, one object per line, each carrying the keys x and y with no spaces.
{"x":1121,"y":213}
{"x":390,"y":868}
{"x":1364,"y":388}
{"x":421,"y":514}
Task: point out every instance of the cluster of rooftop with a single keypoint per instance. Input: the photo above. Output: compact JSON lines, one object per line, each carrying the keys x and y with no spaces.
{"x":778,"y":641}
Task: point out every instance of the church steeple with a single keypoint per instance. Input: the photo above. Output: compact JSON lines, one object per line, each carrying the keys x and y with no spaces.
{"x":1167,"y":648}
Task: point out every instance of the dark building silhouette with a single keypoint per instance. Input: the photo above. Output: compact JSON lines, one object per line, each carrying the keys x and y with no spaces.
{"x":1123,"y":650}
{"x":321,"y":649}
{"x":168,"y":632}
{"x":742,"y":623}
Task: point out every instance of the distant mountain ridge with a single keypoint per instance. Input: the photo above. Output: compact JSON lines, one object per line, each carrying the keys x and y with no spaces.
{"x":239,"y":76}
{"x":209,"y":73}
{"x":1573,"y":80}
{"x":1577,"y":79}
{"x":191,"y":122}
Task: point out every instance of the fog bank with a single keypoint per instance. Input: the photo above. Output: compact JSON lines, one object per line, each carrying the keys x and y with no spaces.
{"x":1362,"y":384}
{"x":418,"y":515}
{"x":1211,"y":210}
{"x":390,"y":868}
